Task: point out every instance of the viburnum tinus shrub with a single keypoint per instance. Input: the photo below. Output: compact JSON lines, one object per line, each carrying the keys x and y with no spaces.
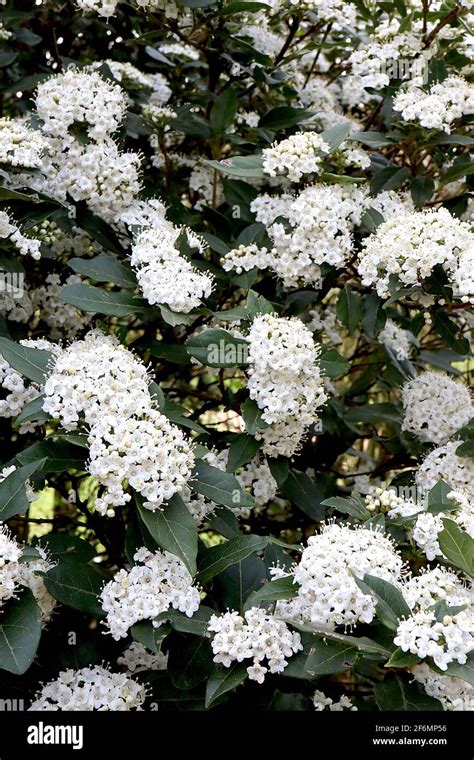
{"x":237,"y":271}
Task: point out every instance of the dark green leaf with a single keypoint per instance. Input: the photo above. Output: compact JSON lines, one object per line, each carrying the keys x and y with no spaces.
{"x":20,"y":633}
{"x":173,"y":529}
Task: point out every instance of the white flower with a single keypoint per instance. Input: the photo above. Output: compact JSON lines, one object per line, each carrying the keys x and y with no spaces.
{"x":440,"y":106}
{"x":322,"y":702}
{"x":257,"y":636}
{"x":435,"y":407}
{"x":410,"y":247}
{"x":20,"y":145}
{"x":284,"y":379}
{"x":397,"y":339}
{"x":164,"y":276}
{"x":62,"y":318}
{"x":299,"y":154}
{"x":443,"y":463}
{"x":328,"y":595}
{"x":157,"y":582}
{"x":15,"y":573}
{"x":455,"y":694}
{"x":90,"y":689}
{"x":446,"y":637}
{"x":137,"y":658}
{"x":151,"y":454}
{"x":77,"y":98}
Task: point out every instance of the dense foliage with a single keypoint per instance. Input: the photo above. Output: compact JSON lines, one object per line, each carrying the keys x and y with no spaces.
{"x":237,"y":275}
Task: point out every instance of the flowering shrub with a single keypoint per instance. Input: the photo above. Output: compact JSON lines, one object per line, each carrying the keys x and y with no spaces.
{"x":237,"y":271}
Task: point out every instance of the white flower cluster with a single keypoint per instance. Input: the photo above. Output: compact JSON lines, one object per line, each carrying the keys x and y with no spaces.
{"x":257,"y":477}
{"x":90,"y":689}
{"x":93,"y":377}
{"x":63,"y":319}
{"x":296,"y":156}
{"x":74,"y":98}
{"x":328,"y":595}
{"x":137,"y":658}
{"x":257,"y":636}
{"x":26,"y":246}
{"x":453,"y":693}
{"x":97,"y":173}
{"x":156,"y":583}
{"x":398,"y":340}
{"x":448,"y":639}
{"x":375,"y":63}
{"x":284,"y":379}
{"x":20,"y":391}
{"x":444,"y":103}
{"x":322,"y":702}
{"x":435,"y":407}
{"x":10,"y":553}
{"x":149,"y":454}
{"x":20,"y":145}
{"x":164,"y":276}
{"x":412,"y":246}
{"x":443,"y":463}
{"x":428,"y":526}
{"x":15,"y":573}
{"x":129,"y":439}
{"x":321,"y":222}
{"x":128,"y":75}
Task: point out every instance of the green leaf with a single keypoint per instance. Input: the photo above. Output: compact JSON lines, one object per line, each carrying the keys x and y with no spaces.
{"x":89,"y":298}
{"x":372,"y":139}
{"x":457,"y":546}
{"x":466,"y":449}
{"x":13,"y":496}
{"x":149,"y":636}
{"x":383,"y":412}
{"x":98,"y":230}
{"x":32,"y":363}
{"x":354,"y":506}
{"x":333,"y":364}
{"x":336,"y":135}
{"x":239,"y":166}
{"x":20,"y":633}
{"x":219,"y":487}
{"x":218,"y":348}
{"x":105,"y":268}
{"x":242,"y":449}
{"x":214,"y":560}
{"x":76,"y":585}
{"x":64,"y":548}
{"x":390,"y":178}
{"x":190,"y":662}
{"x":32,"y":412}
{"x":453,"y":139}
{"x":401,"y":659}
{"x":349,"y":309}
{"x":252,"y":416}
{"x":173,"y":529}
{"x":371,"y":219}
{"x":300,"y":489}
{"x":422,"y":189}
{"x":397,"y":694}
{"x":224,"y":679}
{"x":329,"y":656}
{"x":457,"y":171}
{"x":57,"y":456}
{"x":280,"y":468}
{"x":197,"y":624}
{"x":283,"y":117}
{"x":241,"y":6}
{"x":391,"y":606}
{"x":175,"y":318}
{"x":437,"y":498}
{"x":280,"y":588}
{"x":465,"y":672}
{"x":449,"y":331}
{"x":223,"y":111}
